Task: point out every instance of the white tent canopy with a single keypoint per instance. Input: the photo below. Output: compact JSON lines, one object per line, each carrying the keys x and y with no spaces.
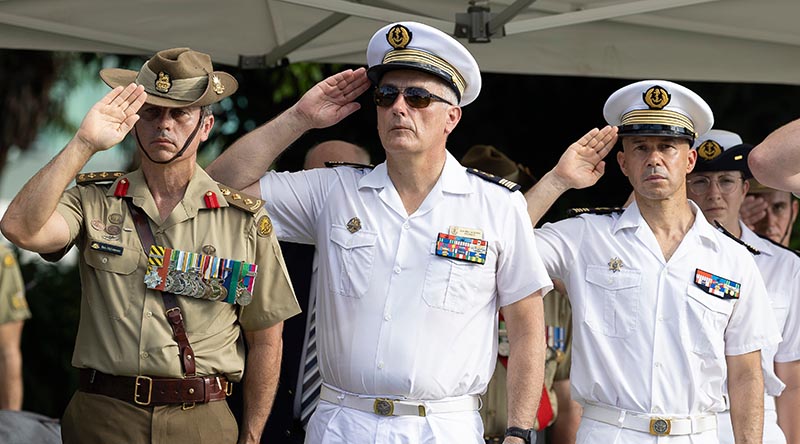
{"x":715,"y":40}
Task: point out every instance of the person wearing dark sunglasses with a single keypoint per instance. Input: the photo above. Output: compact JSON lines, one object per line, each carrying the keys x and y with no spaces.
{"x":416,"y":256}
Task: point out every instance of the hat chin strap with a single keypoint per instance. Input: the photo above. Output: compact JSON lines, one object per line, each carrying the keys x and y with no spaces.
{"x":178,"y":154}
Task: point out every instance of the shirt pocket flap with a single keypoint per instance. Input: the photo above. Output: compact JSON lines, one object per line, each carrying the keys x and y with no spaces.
{"x":125,"y":263}
{"x":612,"y":280}
{"x":711,"y":302}
{"x":342,"y":237}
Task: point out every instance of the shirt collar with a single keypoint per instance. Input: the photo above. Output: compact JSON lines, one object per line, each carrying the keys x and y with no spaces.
{"x":632,"y":218}
{"x":193,"y":199}
{"x":453,"y":179}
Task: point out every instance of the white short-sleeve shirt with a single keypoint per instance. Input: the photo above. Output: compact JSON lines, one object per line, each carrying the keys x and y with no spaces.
{"x":394,"y":318}
{"x":646,"y":337}
{"x":780,"y":269}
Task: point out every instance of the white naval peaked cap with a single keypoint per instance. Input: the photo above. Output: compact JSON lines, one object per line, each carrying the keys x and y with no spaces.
{"x":725,"y":139}
{"x":658,"y":108}
{"x":720,"y":150}
{"x":411,"y":45}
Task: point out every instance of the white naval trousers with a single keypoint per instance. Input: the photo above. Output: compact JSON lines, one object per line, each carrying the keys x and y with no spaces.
{"x":333,"y":424}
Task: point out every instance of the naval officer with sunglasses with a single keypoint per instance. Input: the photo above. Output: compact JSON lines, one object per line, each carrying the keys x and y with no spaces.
{"x":416,"y":255}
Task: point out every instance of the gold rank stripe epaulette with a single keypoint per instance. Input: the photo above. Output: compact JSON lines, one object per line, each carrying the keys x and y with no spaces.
{"x":337,"y":163}
{"x":512,"y":186}
{"x":724,"y":231}
{"x":797,"y":253}
{"x":572,"y":212}
{"x":240,"y":200}
{"x":101,"y":176}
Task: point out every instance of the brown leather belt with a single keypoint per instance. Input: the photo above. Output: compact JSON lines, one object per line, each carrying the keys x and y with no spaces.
{"x":147,"y":391}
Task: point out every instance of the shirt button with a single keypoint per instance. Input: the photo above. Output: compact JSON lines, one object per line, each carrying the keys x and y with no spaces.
{"x":145,"y":355}
{"x":657,"y":410}
{"x":396,"y":270}
{"x":380,"y":364}
{"x":657,"y":364}
{"x":104,"y":260}
{"x":406,"y":226}
{"x":388,"y":317}
{"x":149,"y":314}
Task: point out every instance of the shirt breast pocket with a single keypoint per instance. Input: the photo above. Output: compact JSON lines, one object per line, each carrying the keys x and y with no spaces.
{"x":117,"y":283}
{"x":613,"y":305}
{"x":707,"y":317}
{"x":353,"y":258}
{"x":457,"y":286}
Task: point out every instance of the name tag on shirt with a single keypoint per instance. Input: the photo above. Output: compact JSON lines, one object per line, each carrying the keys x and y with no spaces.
{"x":461,"y":248}
{"x":717,"y":286}
{"x":474,"y":233}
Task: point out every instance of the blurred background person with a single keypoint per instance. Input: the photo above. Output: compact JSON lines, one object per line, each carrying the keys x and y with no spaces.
{"x":558,"y":416}
{"x":770,"y":212}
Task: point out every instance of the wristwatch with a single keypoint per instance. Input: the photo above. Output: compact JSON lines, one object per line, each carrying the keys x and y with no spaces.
{"x":528,"y":435}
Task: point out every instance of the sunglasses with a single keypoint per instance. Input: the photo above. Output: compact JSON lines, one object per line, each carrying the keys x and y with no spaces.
{"x":414,"y":96}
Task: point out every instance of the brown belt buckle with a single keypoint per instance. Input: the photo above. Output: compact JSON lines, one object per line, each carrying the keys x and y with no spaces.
{"x":660,"y":426}
{"x":383,"y":407}
{"x":149,"y":390}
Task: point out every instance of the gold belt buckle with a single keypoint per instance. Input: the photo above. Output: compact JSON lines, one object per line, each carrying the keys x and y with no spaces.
{"x":660,"y":426}
{"x":383,"y":407}
{"x":149,"y":389}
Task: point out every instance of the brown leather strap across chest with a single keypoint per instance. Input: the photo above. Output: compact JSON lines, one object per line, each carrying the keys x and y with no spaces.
{"x":173,"y":311}
{"x":146,"y":391}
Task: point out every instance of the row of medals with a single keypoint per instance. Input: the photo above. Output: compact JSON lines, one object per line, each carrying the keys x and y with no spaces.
{"x":191,"y":283}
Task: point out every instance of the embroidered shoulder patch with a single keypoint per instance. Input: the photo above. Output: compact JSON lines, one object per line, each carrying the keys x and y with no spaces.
{"x":511,"y":186}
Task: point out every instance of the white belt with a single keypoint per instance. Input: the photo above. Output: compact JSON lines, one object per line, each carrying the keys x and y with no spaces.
{"x":652,"y":424}
{"x":399,"y":407}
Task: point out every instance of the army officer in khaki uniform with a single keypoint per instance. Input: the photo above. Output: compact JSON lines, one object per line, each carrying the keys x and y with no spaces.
{"x":13,"y":313}
{"x":173,"y":267}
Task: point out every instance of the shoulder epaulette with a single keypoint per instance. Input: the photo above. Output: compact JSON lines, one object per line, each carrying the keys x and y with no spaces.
{"x":240,"y":200}
{"x":101,"y":176}
{"x":337,"y":163}
{"x":512,"y":186}
{"x":724,"y":231}
{"x":778,"y":245}
{"x":572,"y":212}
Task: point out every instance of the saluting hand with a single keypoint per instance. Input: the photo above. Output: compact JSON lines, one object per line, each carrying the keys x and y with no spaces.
{"x":582,"y":165}
{"x":332,"y":99}
{"x":753,"y":209}
{"x":110,"y":119}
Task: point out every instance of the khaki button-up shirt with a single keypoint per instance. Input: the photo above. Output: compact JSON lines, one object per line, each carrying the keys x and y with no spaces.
{"x":13,"y":306}
{"x":123,"y":329}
